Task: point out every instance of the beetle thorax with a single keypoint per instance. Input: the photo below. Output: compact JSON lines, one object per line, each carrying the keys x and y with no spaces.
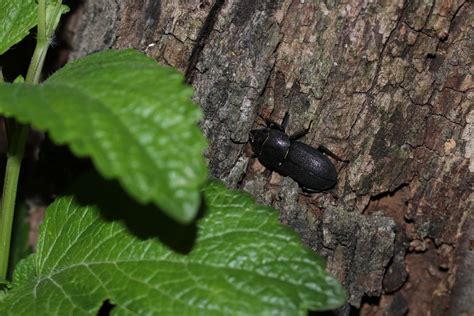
{"x":270,"y":143}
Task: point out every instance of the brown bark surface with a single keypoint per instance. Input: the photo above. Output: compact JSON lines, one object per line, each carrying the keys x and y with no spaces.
{"x":388,"y":86}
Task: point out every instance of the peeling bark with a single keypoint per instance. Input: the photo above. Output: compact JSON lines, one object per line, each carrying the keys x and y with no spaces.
{"x":388,"y":86}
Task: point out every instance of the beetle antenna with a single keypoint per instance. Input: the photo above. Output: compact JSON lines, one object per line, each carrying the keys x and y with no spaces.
{"x":265,"y":121}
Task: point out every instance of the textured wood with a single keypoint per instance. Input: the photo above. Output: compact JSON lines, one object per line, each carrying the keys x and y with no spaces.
{"x":388,"y":86}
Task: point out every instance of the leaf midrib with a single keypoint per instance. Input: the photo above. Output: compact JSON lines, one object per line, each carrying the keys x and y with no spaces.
{"x":87,"y":265}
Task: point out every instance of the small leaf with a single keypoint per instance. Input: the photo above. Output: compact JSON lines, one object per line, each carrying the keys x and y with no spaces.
{"x":17,"y":17}
{"x":54,"y":11}
{"x":19,"y":79}
{"x":243,"y":262}
{"x":134,"y":118}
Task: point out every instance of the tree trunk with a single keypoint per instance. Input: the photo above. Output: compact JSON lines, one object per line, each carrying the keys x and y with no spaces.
{"x":388,"y":86}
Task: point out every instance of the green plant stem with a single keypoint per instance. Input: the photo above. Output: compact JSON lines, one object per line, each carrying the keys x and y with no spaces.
{"x":12,"y":173}
{"x":16,"y":149}
{"x":37,"y":61}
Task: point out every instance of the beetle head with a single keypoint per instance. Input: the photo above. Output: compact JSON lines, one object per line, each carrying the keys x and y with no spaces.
{"x":257,"y":138}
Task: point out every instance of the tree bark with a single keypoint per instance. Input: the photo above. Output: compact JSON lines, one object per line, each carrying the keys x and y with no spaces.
{"x":388,"y":86}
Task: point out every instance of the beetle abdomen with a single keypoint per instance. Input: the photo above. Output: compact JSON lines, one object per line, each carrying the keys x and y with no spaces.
{"x":309,"y":167}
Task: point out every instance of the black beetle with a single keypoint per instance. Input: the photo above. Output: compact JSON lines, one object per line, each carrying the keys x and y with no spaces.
{"x":308,"y":166}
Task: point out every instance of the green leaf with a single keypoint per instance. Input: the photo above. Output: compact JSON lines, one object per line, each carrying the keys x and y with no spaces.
{"x":243,"y":262}
{"x":17,"y":17}
{"x":134,"y":118}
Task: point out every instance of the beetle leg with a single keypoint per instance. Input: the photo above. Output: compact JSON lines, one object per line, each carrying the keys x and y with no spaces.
{"x":238,"y":141}
{"x":325,"y":150}
{"x":300,"y":134}
{"x":308,"y":191}
{"x":284,"y":123}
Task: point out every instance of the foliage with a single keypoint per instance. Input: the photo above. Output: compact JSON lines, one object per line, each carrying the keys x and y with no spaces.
{"x":17,"y":18}
{"x":243,"y":262}
{"x":134,"y":118}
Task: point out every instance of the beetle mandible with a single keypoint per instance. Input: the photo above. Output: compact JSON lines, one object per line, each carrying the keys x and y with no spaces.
{"x":280,"y":152}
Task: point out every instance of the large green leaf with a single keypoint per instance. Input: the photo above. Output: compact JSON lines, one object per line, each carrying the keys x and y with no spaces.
{"x":17,"y":17}
{"x":243,"y":262}
{"x":134,"y":118}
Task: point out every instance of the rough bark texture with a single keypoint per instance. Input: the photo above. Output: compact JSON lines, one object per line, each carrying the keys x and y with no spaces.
{"x":388,"y":86}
